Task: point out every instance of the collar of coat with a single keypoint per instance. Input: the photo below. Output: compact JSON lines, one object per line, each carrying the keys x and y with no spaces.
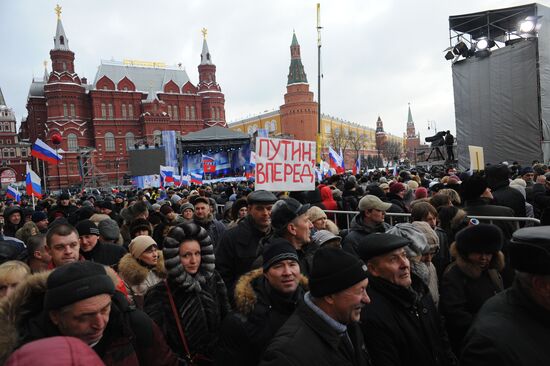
{"x":134,"y":273}
{"x":245,"y":295}
{"x":470,"y":269}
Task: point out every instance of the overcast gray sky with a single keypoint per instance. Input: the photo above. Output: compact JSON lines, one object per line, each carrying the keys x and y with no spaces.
{"x":377,"y":55}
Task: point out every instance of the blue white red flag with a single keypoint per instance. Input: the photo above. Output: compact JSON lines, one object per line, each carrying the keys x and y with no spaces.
{"x":336,"y":160}
{"x":167,"y":174}
{"x":13,"y":193}
{"x":33,"y":183}
{"x":196,"y":178}
{"x":42,"y":151}
{"x":357,"y":166}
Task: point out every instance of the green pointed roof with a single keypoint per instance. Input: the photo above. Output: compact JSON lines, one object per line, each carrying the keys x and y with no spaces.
{"x":410,"y":117}
{"x":2,"y":101}
{"x":296,"y":73}
{"x":294,"y":40}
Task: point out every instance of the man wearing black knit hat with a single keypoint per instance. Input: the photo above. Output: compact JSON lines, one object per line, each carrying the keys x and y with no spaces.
{"x":323,"y":330}
{"x":80,"y":301}
{"x":401,"y":325}
{"x":94,"y":250}
{"x":264,"y":299}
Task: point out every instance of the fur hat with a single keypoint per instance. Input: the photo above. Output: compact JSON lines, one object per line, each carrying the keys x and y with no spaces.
{"x":335,"y":270}
{"x":140,"y":244}
{"x":315,"y":213}
{"x":140,"y":224}
{"x":481,"y":238}
{"x":74,"y":282}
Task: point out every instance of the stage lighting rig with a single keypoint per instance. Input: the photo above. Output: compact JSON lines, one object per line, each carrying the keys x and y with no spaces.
{"x":529,"y":26}
{"x":484,"y":43}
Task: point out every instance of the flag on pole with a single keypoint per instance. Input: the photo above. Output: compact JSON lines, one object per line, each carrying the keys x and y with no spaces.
{"x":42,"y":151}
{"x":13,"y":193}
{"x":336,"y":160}
{"x":33,"y":183}
{"x":357,"y":166}
{"x":186,"y":180}
{"x":209,"y":164}
{"x":196,"y":178}
{"x":167,"y":174}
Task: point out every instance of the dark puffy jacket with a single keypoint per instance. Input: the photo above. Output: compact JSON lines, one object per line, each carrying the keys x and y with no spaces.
{"x":213,"y":227}
{"x":359,"y":230}
{"x":507,"y":196}
{"x":259,"y":313}
{"x":130,"y":339}
{"x":106,"y":254}
{"x":307,"y":339}
{"x":9,"y":228}
{"x":510,"y":330}
{"x":464,"y":289}
{"x":402,"y":326}
{"x":237,"y":251}
{"x":201,"y":314}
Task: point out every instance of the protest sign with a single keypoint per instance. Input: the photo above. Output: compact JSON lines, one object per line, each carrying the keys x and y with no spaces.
{"x":285,"y":165}
{"x":477,"y":161}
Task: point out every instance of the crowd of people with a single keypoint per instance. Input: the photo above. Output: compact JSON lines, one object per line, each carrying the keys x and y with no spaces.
{"x":367,"y":269}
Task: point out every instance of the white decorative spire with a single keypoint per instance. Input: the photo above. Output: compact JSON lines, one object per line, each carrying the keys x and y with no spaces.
{"x":2,"y":101}
{"x":205,"y":55}
{"x":61,"y":42}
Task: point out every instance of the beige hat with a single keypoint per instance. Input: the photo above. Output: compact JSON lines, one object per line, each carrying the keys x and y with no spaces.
{"x":412,"y":184}
{"x":316,"y":213}
{"x":372,"y":202}
{"x":140,"y":244}
{"x":384,"y":186}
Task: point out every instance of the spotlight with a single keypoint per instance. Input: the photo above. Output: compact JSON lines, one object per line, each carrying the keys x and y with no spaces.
{"x":449,"y":56}
{"x":461,"y":49}
{"x":484,"y":44}
{"x":527,"y":25}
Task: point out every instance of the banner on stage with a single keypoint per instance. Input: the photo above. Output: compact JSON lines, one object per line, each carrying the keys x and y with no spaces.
{"x":285,"y":165}
{"x":477,"y":161}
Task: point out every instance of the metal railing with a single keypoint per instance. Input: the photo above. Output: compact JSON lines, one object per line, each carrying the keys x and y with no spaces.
{"x":392,"y":218}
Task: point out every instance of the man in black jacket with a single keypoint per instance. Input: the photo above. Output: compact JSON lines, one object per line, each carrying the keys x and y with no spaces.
{"x":323,"y":330}
{"x":513,"y":327}
{"x":401,"y":325}
{"x":264,"y":299}
{"x":504,"y":195}
{"x":238,"y":247}
{"x":93,"y":250}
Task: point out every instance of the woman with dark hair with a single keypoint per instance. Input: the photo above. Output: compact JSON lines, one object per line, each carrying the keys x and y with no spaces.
{"x":472,"y":278}
{"x":191,"y":304}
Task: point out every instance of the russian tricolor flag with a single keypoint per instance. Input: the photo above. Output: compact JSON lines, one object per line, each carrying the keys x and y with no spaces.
{"x":357,"y":166}
{"x":33,"y":181}
{"x":196,"y":178}
{"x":336,"y":160}
{"x":13,"y":193}
{"x":42,"y":151}
{"x":167,"y":173}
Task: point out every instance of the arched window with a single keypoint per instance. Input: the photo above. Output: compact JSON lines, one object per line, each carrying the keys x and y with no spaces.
{"x":123,"y":109}
{"x":192,"y":112}
{"x":176,"y":112}
{"x":109,"y":142}
{"x":103,"y":111}
{"x":186,"y":112}
{"x":157,"y":137}
{"x":73,"y":111}
{"x":212,"y":113}
{"x":64,"y":66}
{"x":130,"y":140}
{"x":111,"y":114}
{"x":130,"y":110}
{"x":62,"y":40}
{"x":170,"y":111}
{"x":72,"y":142}
{"x":65,"y":112}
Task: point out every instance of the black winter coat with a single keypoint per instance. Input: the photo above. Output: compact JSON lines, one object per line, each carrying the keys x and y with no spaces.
{"x":504,"y":195}
{"x":443,"y":257}
{"x":403,"y":327}
{"x":106,"y":254}
{"x":214,"y":228}
{"x":237,"y":251}
{"x":541,"y":202}
{"x":259,"y":313}
{"x":464,"y":289}
{"x":510,"y":330}
{"x":359,"y":230}
{"x":482,"y":207}
{"x":306,"y":339}
{"x":202,"y":314}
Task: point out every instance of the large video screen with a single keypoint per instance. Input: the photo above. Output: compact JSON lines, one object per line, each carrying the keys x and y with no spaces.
{"x":145,"y":161}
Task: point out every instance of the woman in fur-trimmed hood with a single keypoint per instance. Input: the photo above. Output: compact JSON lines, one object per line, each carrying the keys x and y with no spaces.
{"x":142,"y":268}
{"x":472,"y":278}
{"x":198,"y":292}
